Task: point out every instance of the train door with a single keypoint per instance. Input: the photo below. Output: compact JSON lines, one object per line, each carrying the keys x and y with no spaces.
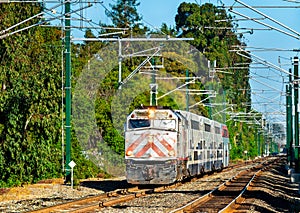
{"x":182,"y":147}
{"x":225,"y":138}
{"x":214,"y":146}
{"x":218,"y":148}
{"x":208,"y":141}
{"x":201,"y":146}
{"x":194,"y":129}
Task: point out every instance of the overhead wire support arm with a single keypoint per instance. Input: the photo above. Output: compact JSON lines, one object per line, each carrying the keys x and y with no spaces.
{"x":39,"y":23}
{"x":183,"y":85}
{"x":26,"y":20}
{"x":200,"y":102}
{"x":140,"y":66}
{"x":262,"y":6}
{"x":261,"y":49}
{"x":262,"y":61}
{"x":178,"y":78}
{"x":292,"y":1}
{"x":238,"y":28}
{"x":11,"y":27}
{"x":141,"y":53}
{"x":43,"y":1}
{"x":267,"y":25}
{"x":224,"y":110}
{"x":201,"y":92}
{"x":120,"y":40}
{"x":266,"y":98}
{"x":268,"y":17}
{"x":133,"y":39}
{"x":237,"y":19}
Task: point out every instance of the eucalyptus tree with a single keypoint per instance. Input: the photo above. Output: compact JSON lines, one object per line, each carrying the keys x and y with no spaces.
{"x":214,"y":35}
{"x":124,"y":14}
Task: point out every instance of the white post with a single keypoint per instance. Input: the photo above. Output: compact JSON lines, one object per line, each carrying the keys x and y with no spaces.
{"x":72,"y":164}
{"x":72,"y":178}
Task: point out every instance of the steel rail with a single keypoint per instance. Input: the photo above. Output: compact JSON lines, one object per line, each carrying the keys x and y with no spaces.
{"x":238,"y":199}
{"x":207,"y":196}
{"x":97,"y":202}
{"x":108,"y":199}
{"x":231,"y":206}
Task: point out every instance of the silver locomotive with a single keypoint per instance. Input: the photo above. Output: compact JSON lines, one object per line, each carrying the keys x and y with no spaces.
{"x":163,"y":146}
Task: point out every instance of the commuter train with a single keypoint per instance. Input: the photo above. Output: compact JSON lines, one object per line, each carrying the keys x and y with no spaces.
{"x":164,"y":145}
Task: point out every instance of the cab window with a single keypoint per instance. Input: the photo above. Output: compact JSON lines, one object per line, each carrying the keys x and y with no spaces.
{"x":164,"y":124}
{"x":138,"y":123}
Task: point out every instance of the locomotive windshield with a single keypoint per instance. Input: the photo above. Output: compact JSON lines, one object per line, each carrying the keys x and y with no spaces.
{"x":157,"y":124}
{"x":139,"y":123}
{"x":164,"y":124}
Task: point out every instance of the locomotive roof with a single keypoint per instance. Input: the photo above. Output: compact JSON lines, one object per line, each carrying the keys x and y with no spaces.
{"x":154,"y":107}
{"x":181,"y":114}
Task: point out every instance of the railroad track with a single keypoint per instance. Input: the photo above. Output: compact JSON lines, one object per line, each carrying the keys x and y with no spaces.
{"x":95,"y":203}
{"x":227,"y":196}
{"x":100,"y":202}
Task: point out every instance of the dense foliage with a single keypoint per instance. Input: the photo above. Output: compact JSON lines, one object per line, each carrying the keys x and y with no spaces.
{"x":30,"y":100}
{"x":30,"y":97}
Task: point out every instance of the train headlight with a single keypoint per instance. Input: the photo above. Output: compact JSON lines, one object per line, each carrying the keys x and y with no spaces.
{"x":151,"y":113}
{"x":172,"y":153}
{"x":129,"y":153}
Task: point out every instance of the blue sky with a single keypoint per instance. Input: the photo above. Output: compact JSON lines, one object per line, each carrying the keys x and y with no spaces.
{"x":156,"y":12}
{"x":265,"y":99}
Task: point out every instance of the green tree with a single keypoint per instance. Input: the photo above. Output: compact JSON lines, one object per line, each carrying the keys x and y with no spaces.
{"x":168,"y":30}
{"x":214,"y":37}
{"x":124,"y":14}
{"x":30,"y":98}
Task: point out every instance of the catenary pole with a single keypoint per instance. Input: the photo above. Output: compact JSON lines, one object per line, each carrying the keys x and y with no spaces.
{"x":296,"y":91}
{"x":289,"y":119}
{"x":187,"y":89}
{"x":258,"y":140}
{"x":68,"y":87}
{"x":153,"y":85}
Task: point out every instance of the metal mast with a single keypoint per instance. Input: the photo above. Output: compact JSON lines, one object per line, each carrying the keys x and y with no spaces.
{"x":187,"y":89}
{"x":68,"y":87}
{"x":296,"y":91}
{"x":153,"y":85}
{"x":289,"y":120}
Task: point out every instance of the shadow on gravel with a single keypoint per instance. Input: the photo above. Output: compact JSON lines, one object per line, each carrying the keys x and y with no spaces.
{"x":196,"y":192}
{"x":278,"y":204}
{"x":106,"y":185}
{"x":254,"y":208}
{"x":279,"y":186}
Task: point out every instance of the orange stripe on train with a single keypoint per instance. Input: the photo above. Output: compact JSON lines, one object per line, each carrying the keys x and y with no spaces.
{"x":143,"y":150}
{"x":158,"y":151}
{"x":137,"y":142}
{"x":165,"y":143}
{"x":151,"y":145}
